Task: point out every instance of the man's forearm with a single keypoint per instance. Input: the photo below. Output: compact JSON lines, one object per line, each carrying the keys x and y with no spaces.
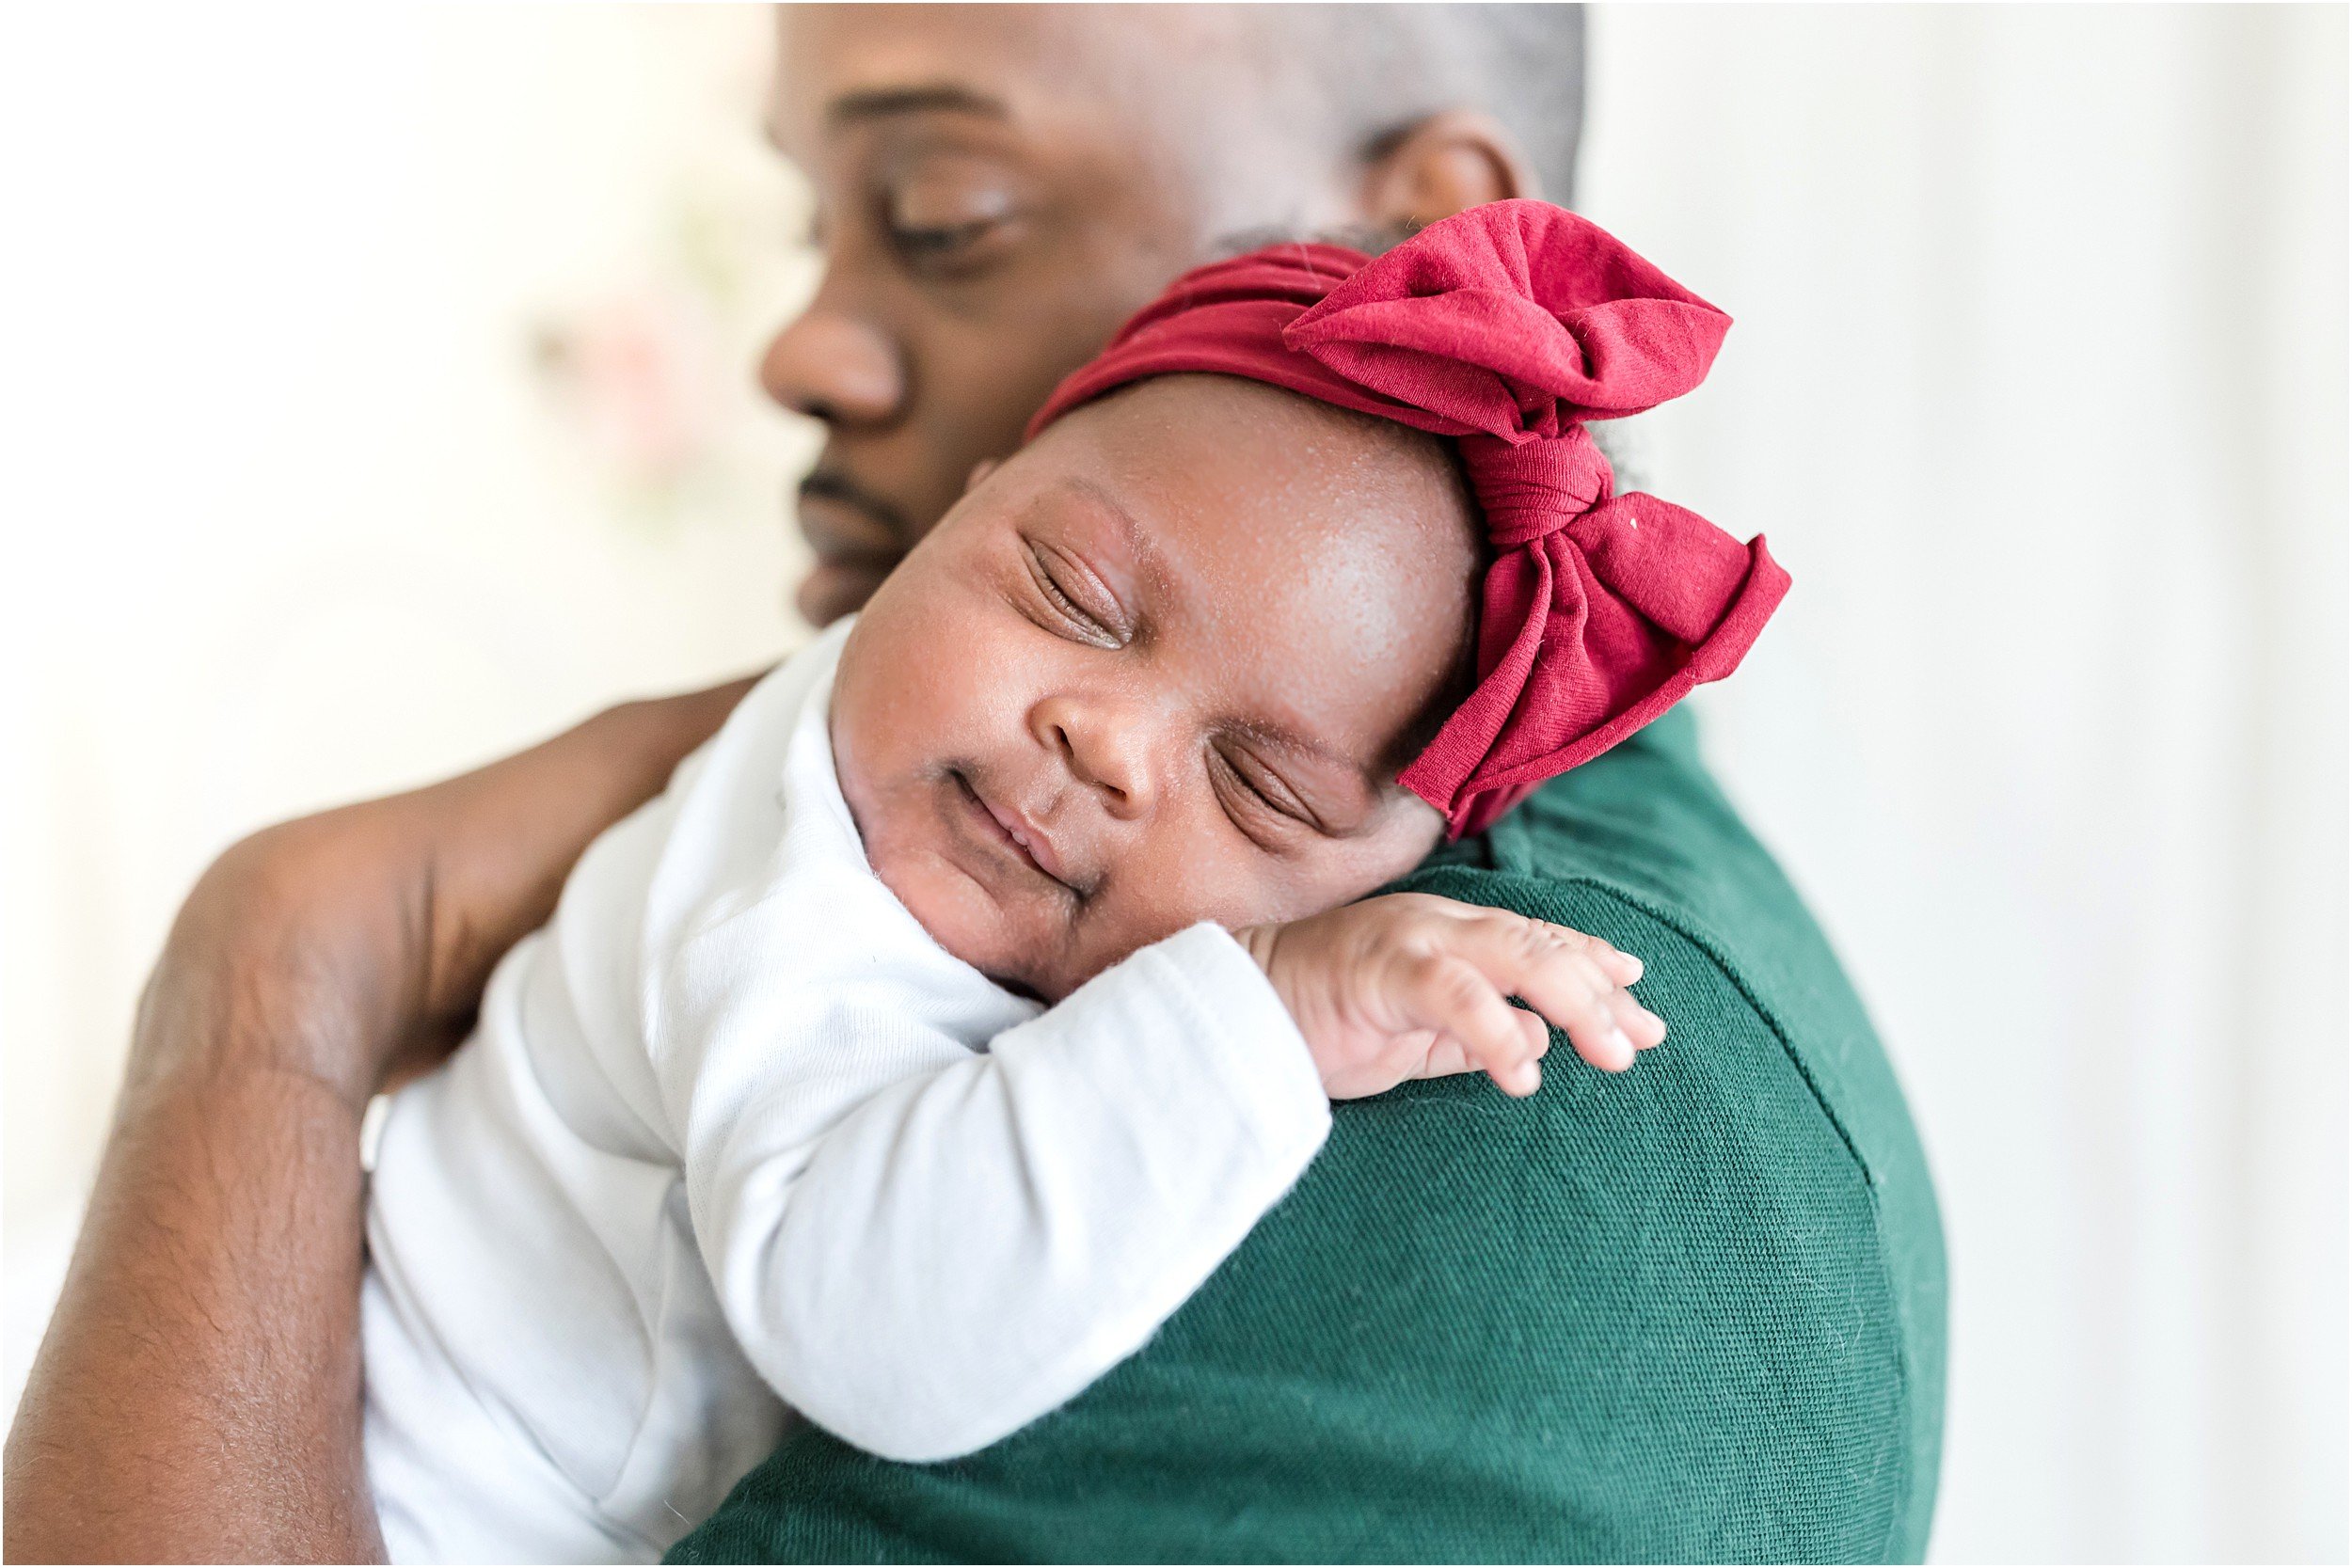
{"x":199,"y":1394}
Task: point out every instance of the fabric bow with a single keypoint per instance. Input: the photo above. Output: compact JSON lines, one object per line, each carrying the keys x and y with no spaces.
{"x":1504,"y":328}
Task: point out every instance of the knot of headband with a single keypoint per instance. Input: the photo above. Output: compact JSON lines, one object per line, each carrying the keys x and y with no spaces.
{"x":1504,"y":328}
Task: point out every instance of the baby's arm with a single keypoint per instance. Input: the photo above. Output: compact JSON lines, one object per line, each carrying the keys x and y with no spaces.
{"x":970,"y":1245}
{"x":973,"y":1239}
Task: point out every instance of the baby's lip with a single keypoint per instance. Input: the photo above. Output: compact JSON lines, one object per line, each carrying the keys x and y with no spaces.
{"x":1026,"y":838}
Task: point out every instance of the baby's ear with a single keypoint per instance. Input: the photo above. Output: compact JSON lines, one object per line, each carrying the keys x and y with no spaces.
{"x":1422,"y":826}
{"x":980,"y":470}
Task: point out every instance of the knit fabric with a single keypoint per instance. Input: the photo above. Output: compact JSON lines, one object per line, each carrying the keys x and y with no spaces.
{"x":1692,"y":1313}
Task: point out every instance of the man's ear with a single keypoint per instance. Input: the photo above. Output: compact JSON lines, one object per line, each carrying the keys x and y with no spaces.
{"x":980,"y":470}
{"x":1455,"y":158}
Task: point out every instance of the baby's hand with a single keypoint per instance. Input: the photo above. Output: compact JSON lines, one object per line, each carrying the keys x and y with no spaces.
{"x":1408,"y":985}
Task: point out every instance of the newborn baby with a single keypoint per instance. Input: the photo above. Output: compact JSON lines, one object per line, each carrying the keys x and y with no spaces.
{"x":964,"y":1001}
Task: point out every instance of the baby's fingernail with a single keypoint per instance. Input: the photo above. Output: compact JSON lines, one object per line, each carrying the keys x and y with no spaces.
{"x":1620,"y":1042}
{"x":1633,"y":965}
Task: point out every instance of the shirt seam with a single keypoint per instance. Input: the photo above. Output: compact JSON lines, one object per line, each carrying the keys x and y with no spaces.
{"x":1716,"y":953}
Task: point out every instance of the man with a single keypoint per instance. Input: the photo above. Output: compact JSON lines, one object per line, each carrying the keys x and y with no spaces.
{"x":1694,"y":1313}
{"x":997,"y":193}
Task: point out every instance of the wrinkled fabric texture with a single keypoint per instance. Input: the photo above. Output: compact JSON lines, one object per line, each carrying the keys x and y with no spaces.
{"x":1693,"y":1313}
{"x":1504,"y":328}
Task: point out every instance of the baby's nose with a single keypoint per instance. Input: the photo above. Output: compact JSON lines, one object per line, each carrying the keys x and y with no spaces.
{"x":1107,"y":747}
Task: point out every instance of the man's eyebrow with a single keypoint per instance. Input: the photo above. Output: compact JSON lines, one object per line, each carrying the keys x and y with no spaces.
{"x":926,"y":98}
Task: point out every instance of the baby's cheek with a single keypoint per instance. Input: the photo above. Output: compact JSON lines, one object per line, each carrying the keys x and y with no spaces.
{"x":930,"y":647}
{"x":1028,"y":943}
{"x":1169,"y":887}
{"x":1254,"y":887}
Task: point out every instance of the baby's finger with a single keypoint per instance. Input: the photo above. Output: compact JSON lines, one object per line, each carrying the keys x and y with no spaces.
{"x":1645,"y":1028}
{"x":1452,"y":996}
{"x":1445,"y":1059}
{"x":1621,"y":967}
{"x":1549,"y":967}
{"x":1538,"y":1033}
{"x":1569,"y":988}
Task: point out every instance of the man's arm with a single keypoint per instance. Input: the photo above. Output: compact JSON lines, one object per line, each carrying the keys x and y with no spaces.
{"x":199,"y":1393}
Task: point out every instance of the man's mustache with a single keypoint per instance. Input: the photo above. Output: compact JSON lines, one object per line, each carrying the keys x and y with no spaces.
{"x":889,"y":535}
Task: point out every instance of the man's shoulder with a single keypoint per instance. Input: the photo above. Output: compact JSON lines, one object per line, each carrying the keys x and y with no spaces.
{"x":1771,"y":1125}
{"x":1691,"y":1312}
{"x":1643,"y":834}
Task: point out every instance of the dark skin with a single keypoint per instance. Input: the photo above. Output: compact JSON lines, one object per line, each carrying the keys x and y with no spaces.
{"x":1162,"y":666}
{"x":986,"y":229}
{"x":199,"y":1392}
{"x":1180,"y":646}
{"x":198,"y":1396}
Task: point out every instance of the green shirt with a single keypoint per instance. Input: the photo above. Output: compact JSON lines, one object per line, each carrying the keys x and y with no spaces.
{"x":1692,"y":1312}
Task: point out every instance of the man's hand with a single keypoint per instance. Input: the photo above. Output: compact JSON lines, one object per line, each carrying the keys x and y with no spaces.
{"x":199,"y":1393}
{"x":1408,"y":985}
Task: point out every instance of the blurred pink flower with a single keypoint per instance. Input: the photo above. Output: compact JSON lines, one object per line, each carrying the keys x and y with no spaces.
{"x":637,"y":373}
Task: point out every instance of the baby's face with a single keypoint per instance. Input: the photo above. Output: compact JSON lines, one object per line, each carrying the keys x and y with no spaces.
{"x":1162,"y":666}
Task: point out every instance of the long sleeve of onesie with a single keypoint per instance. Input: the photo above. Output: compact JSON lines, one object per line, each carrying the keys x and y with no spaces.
{"x":925,"y":1267}
{"x":932,"y":1213}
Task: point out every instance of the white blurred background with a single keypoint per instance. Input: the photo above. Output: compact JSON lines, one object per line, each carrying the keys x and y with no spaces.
{"x":381,"y":389}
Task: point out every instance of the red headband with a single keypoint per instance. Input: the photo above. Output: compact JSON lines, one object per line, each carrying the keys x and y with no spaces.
{"x":1504,"y":328}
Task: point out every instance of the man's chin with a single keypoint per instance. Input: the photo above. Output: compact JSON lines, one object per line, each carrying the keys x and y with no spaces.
{"x":833,"y":589}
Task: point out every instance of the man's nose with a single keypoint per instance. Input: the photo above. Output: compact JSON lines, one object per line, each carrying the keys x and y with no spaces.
{"x":835,"y":368}
{"x":1107,"y":747}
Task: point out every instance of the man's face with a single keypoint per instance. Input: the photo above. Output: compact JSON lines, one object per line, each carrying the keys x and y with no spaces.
{"x":1162,"y":666}
{"x":998,"y":188}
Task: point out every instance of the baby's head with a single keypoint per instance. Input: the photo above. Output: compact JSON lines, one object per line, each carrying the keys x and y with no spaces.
{"x":1314,"y":564}
{"x":1163,"y":665}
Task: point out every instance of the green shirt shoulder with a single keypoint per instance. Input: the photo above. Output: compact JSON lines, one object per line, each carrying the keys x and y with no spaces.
{"x":1693,"y":1312}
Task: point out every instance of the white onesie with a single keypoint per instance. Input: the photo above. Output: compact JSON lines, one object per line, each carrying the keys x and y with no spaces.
{"x":735,"y":1134}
